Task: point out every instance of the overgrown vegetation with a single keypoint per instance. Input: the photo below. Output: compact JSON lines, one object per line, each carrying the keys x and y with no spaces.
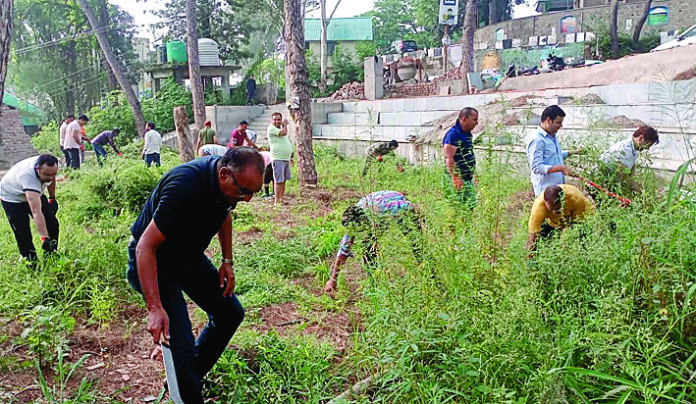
{"x":605,"y":313}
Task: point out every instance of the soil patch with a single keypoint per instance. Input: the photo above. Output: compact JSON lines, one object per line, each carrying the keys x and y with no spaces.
{"x":687,"y":74}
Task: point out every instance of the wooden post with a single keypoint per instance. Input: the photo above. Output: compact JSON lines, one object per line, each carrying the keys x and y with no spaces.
{"x":445,"y":55}
{"x":183,"y":135}
{"x":5,"y":31}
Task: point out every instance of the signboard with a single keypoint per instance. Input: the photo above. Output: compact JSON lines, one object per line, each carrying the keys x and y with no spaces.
{"x":449,"y":10}
{"x":569,"y":25}
{"x":658,"y":16}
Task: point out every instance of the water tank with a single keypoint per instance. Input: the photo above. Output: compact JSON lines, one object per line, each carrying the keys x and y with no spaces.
{"x":176,"y":52}
{"x":208,"y":52}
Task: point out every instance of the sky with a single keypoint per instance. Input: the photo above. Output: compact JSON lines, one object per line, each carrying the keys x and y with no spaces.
{"x":348,"y":8}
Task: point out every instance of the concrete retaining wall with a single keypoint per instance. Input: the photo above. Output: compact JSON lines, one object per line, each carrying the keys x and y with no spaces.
{"x":226,"y":118}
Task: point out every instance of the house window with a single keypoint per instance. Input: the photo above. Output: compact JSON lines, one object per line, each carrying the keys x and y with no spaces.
{"x":569,"y":25}
{"x":658,"y":16}
{"x":306,"y":45}
{"x":331,"y":47}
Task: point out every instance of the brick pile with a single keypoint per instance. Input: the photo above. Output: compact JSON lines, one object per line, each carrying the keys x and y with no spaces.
{"x":413,"y":89}
{"x":349,"y":91}
{"x":15,"y":144}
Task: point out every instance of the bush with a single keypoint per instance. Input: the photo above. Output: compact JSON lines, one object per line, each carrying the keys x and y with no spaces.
{"x":160,"y":107}
{"x":47,"y":140}
{"x":111,"y":113}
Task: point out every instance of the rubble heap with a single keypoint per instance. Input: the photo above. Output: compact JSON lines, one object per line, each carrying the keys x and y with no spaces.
{"x":349,"y":91}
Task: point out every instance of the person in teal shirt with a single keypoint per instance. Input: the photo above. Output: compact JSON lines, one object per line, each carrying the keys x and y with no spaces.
{"x":281,"y":152}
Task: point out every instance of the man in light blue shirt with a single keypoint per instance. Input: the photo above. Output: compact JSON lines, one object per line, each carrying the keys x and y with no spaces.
{"x":544,"y":153}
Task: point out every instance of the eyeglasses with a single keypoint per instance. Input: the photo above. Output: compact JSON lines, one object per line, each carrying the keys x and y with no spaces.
{"x":242,"y":191}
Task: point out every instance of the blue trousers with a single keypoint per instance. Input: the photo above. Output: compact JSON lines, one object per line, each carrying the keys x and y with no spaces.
{"x":200,"y":281}
{"x":99,"y":152}
{"x":152,"y":158}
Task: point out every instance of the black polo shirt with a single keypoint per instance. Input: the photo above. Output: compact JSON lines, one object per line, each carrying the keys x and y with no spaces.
{"x":188,"y":208}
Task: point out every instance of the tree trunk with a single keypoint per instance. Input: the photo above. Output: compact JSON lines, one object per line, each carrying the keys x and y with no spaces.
{"x":469,"y":28}
{"x":492,"y":12}
{"x":323,"y":47}
{"x":614,"y":28}
{"x":641,"y":22}
{"x":299,"y":96}
{"x":115,"y":67}
{"x":5,"y":33}
{"x":183,"y":135}
{"x":194,"y":65}
{"x":323,"y":44}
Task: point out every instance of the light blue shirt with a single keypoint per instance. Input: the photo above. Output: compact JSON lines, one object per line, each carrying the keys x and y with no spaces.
{"x":544,"y":152}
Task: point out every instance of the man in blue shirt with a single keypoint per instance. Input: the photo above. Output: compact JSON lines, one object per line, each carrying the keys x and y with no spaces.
{"x":460,"y":162}
{"x":166,"y":258}
{"x":544,"y":153}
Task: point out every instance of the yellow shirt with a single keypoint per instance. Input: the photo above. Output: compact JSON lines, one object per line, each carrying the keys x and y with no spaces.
{"x":575,"y":207}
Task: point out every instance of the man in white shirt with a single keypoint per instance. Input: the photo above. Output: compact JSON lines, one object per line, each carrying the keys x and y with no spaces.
{"x":22,"y":195}
{"x":63,"y":131}
{"x":73,"y":139}
{"x":153,"y":144}
{"x":619,"y":162}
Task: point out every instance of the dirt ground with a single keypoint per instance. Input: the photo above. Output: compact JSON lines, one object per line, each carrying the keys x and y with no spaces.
{"x":123,"y":362}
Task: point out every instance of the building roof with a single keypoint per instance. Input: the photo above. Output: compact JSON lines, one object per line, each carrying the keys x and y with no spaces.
{"x":340,"y":29}
{"x":31,"y":114}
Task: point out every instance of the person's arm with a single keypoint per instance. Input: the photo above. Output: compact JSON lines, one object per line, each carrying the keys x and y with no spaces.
{"x":145,"y":145}
{"x":249,"y":142}
{"x":199,"y":142}
{"x":341,"y":257}
{"x":449,"y":151}
{"x":215,"y":139}
{"x":226,"y":269}
{"x":113,"y":145}
{"x":531,"y":242}
{"x":535,"y":154}
{"x":76,"y":135}
{"x":34,"y":199}
{"x":158,"y":321}
{"x":284,"y":128}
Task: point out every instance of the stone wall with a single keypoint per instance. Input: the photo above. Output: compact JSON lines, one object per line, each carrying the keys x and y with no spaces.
{"x":682,"y":14}
{"x":15,"y":144}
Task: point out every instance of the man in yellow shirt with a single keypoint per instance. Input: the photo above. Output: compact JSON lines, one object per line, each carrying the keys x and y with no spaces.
{"x":554,"y":209}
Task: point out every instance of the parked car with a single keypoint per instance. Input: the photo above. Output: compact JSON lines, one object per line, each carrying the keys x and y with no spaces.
{"x":685,"y":38}
{"x":404,"y":46}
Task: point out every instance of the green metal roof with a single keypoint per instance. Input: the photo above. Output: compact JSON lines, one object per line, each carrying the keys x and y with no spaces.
{"x":340,"y":29}
{"x":31,"y":115}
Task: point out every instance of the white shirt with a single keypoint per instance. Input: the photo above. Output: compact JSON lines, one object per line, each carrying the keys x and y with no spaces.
{"x":153,"y":142}
{"x":63,"y":128}
{"x":20,"y":178}
{"x":623,"y":152}
{"x":212,"y":150}
{"x":69,"y":141}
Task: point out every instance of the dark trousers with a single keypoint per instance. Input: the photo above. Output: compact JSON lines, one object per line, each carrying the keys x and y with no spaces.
{"x":99,"y":152}
{"x":74,"y":158}
{"x":152,"y":158}
{"x":68,"y":159}
{"x":200,"y":282}
{"x":19,"y":215}
{"x":250,"y":96}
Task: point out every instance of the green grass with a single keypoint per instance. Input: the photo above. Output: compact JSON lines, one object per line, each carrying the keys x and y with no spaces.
{"x":603,"y":314}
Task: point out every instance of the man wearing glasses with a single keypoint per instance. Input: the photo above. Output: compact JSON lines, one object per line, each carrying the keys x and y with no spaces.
{"x":189,"y":205}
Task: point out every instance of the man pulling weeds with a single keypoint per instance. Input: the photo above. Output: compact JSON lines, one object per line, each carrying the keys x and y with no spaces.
{"x":372,"y":215}
{"x":188,"y":206}
{"x":558,"y":207}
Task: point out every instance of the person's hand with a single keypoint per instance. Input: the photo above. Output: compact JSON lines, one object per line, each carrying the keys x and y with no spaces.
{"x":158,"y":324}
{"x":49,"y":245}
{"x":579,"y":150}
{"x":82,"y":147}
{"x":53,"y":203}
{"x":380,"y":158}
{"x":142,"y":155}
{"x":458,"y":184}
{"x":120,"y":154}
{"x":285,"y":121}
{"x":330,"y":286}
{"x":226,"y":272}
{"x":567,"y":171}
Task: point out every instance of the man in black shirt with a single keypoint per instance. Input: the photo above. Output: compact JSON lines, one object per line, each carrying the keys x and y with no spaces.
{"x":188,"y":206}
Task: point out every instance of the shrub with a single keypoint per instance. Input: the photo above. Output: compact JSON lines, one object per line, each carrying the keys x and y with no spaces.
{"x":47,"y":140}
{"x":159,"y":108}
{"x":111,"y":113}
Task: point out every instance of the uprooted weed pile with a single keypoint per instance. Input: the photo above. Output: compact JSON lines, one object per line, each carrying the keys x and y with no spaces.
{"x":604,"y":313}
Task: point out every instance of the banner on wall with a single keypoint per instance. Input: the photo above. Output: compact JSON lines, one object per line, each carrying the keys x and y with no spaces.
{"x":449,"y":10}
